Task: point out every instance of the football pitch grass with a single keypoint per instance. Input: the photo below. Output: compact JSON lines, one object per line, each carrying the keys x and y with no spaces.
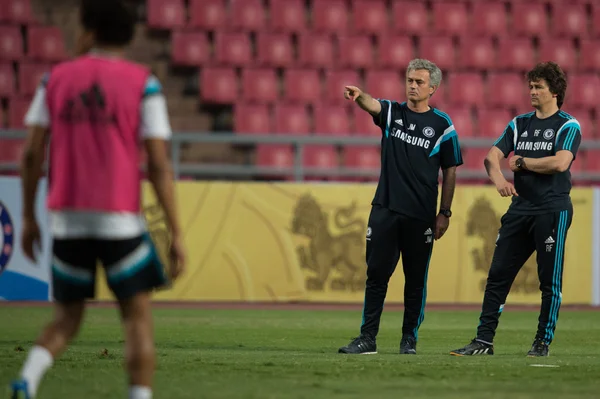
{"x":293,"y":354}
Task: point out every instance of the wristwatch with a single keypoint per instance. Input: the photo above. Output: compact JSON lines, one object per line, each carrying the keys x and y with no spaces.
{"x":519,"y":163}
{"x":446,"y":212}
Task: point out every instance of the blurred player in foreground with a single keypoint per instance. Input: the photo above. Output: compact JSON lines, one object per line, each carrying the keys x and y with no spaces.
{"x":545,"y":143}
{"x":95,"y":111}
{"x":417,"y":140}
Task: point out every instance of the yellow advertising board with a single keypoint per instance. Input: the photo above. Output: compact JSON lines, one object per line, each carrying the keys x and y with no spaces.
{"x":306,"y":242}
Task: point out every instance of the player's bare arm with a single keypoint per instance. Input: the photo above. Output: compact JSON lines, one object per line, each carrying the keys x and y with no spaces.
{"x":31,"y":171}
{"x":364,"y":100}
{"x":548,"y":165}
{"x":160,"y":175}
{"x":492,"y":167}
{"x":448,"y":186}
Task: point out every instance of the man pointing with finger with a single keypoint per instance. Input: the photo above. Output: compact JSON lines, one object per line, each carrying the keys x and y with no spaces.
{"x":417,"y":140}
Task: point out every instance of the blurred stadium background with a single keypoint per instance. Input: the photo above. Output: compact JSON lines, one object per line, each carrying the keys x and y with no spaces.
{"x":254,"y":89}
{"x":247,"y":78}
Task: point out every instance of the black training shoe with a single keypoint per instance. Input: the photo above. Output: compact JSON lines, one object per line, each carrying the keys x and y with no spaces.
{"x":408,"y":345}
{"x":538,"y":349}
{"x":362,"y":345}
{"x":474,"y":348}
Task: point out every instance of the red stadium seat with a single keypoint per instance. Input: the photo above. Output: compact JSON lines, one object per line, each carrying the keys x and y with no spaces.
{"x":583,"y":91}
{"x":595,"y":20}
{"x":288,"y":16}
{"x":330,"y":16}
{"x":316,"y":50}
{"x":466,"y":89}
{"x":331,"y":120}
{"x":30,"y":76}
{"x":492,"y":122}
{"x":277,"y":156}
{"x":592,"y":160}
{"x":355,"y":52}
{"x":17,"y":109}
{"x":208,"y":14}
{"x":189,"y":48}
{"x":438,"y":100}
{"x":16,"y":11}
{"x":439,"y":49}
{"x":7,"y":80}
{"x":259,"y":85}
{"x":409,"y":17}
{"x":474,"y":157}
{"x":477,"y":53}
{"x":589,"y":55}
{"x":489,"y":19}
{"x":11,"y":150}
{"x":363,"y":158}
{"x":363,"y":123}
{"x":560,"y":51}
{"x":569,"y":20}
{"x":384,"y":84}
{"x":584,"y":118}
{"x":336,"y":80}
{"x":394,"y":51}
{"x":507,"y":89}
{"x":529,"y":19}
{"x":450,"y":18}
{"x":247,"y":15}
{"x":252,"y":119}
{"x":11,"y":43}
{"x":302,"y":85}
{"x":370,"y":16}
{"x":580,"y":162}
{"x":218,"y":85}
{"x":462,"y":121}
{"x":516,"y":54}
{"x":275,"y":50}
{"x":166,"y":14}
{"x":233,"y":49}
{"x":319,"y":156}
{"x":45,"y":43}
{"x":291,"y":119}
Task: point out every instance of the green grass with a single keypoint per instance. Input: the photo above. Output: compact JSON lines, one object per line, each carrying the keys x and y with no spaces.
{"x":275,"y":354}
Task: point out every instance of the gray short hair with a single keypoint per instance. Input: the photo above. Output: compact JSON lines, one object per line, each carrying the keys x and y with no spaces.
{"x":435,"y":74}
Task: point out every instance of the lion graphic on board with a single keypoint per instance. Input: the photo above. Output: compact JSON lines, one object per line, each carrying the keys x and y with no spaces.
{"x":334,"y":261}
{"x":483,"y":222}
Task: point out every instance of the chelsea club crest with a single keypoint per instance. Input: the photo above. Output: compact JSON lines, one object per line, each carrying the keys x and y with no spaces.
{"x":6,"y":237}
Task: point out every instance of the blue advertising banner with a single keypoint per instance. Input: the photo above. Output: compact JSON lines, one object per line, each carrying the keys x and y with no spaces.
{"x":21,"y":279}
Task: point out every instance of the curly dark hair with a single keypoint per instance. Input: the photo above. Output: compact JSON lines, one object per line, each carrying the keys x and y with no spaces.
{"x":554,"y":76}
{"x":112,"y":21}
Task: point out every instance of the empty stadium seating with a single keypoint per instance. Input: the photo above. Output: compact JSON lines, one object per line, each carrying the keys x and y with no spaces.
{"x":276,"y":156}
{"x":288,"y":62}
{"x":11,"y":46}
{"x":45,"y":43}
{"x":363,"y":158}
{"x":16,"y":11}
{"x":7,"y":80}
{"x":17,"y":108}
{"x":280,"y":65}
{"x":251,"y":118}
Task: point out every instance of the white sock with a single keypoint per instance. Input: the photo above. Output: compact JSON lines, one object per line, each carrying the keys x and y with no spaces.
{"x":38,"y":362}
{"x":140,"y":392}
